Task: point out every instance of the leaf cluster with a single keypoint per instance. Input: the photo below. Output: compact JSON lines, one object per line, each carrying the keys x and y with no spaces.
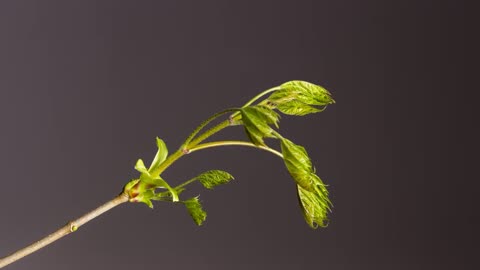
{"x":260,"y":122}
{"x":257,"y":121}
{"x":144,"y":188}
{"x":209,"y":180}
{"x":293,"y":98}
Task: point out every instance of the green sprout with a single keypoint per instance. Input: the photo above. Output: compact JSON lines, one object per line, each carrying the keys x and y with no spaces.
{"x":260,"y":120}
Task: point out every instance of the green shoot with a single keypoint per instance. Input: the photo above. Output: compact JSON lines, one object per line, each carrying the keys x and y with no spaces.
{"x":260,"y":119}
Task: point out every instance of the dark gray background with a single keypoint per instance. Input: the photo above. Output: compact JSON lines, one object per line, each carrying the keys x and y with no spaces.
{"x":85,"y":87}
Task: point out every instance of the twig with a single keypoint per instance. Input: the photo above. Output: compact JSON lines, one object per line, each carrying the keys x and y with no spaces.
{"x":70,"y":227}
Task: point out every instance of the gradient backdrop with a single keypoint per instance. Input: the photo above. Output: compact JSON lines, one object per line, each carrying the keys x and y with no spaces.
{"x":86,"y":86}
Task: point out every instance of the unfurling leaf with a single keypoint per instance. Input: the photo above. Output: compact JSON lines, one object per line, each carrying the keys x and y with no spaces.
{"x":315,"y":205}
{"x":298,"y":164}
{"x":159,"y":182}
{"x":145,"y":197}
{"x":296,"y":107}
{"x":148,"y":182}
{"x":140,"y":166}
{"x":312,"y":193}
{"x":139,"y":191}
{"x":257,"y":121}
{"x":195,"y":210}
{"x":260,"y":121}
{"x":161,"y":154}
{"x":214,"y":178}
{"x":300,"y":97}
{"x":309,"y":93}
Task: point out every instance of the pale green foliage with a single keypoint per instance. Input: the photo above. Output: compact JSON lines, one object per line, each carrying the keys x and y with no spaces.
{"x":161,"y":155}
{"x":308,"y":93}
{"x":300,"y":98}
{"x":214,"y":178}
{"x":291,"y":98}
{"x":298,"y":164}
{"x":312,"y":193}
{"x":143,"y":188}
{"x":195,"y":210}
{"x":257,"y":121}
{"x":315,"y":205}
{"x":153,"y":182}
{"x":146,"y":197}
{"x":295,"y":107}
{"x":140,"y":167}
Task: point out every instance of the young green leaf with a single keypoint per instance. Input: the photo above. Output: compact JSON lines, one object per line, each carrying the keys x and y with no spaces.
{"x":295,"y":107}
{"x":312,"y":193}
{"x":308,"y":93}
{"x":145,"y":197}
{"x":159,"y":182}
{"x":255,"y":138}
{"x":195,"y":210}
{"x":315,"y":205}
{"x":257,"y":121}
{"x":299,"y":98}
{"x":140,"y":167}
{"x":214,"y":178}
{"x":161,"y":154}
{"x":148,"y":182}
{"x":298,"y":164}
{"x":269,"y":115}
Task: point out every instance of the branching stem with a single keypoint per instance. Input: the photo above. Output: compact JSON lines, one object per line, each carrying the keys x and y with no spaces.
{"x":188,"y":182}
{"x":205,"y":123}
{"x":186,"y":149}
{"x":191,"y":144}
{"x":222,"y":143}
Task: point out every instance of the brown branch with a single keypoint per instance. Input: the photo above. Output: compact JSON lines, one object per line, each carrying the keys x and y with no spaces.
{"x":71,"y":226}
